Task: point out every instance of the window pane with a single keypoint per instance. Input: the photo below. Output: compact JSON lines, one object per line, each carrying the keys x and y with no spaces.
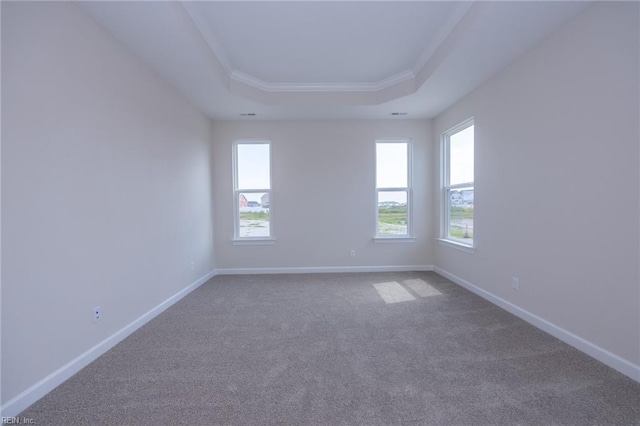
{"x":461,"y":214}
{"x":461,"y":157}
{"x":391,"y":165}
{"x":253,"y":166}
{"x":392,"y":213}
{"x":254,"y":214}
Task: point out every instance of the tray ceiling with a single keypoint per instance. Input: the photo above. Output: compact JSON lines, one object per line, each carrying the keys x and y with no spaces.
{"x":292,"y":60}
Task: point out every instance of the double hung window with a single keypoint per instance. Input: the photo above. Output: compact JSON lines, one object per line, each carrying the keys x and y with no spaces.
{"x":458,"y":183}
{"x":252,"y":190}
{"x":393,"y":188}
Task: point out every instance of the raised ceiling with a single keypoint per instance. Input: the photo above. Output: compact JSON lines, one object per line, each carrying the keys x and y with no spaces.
{"x":315,"y":44}
{"x":306,"y":59}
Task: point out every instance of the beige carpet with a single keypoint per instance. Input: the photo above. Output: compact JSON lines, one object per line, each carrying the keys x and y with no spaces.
{"x":340,"y":349}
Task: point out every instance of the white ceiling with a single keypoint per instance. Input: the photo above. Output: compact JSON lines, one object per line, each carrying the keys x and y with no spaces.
{"x":316,"y":42}
{"x":329,"y":59}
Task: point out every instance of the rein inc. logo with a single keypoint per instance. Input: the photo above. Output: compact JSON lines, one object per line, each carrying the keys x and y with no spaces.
{"x":17,"y":421}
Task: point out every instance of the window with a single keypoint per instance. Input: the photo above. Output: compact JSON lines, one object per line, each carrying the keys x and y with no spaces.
{"x":252,"y":190}
{"x":393,"y":191}
{"x":458,"y":149}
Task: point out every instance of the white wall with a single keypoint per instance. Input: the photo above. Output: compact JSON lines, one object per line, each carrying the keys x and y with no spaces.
{"x":106,"y":190}
{"x":557,"y":181}
{"x":106,"y":187}
{"x":323,"y":199}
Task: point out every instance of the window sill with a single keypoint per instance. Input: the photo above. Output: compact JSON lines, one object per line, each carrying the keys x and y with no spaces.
{"x":394,"y":239}
{"x":253,"y":241}
{"x":456,"y":245}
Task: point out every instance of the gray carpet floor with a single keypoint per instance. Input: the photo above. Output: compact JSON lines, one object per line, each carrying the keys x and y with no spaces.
{"x":326,"y":349}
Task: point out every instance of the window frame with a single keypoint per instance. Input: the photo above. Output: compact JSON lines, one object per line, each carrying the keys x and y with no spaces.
{"x":237,"y":238}
{"x":408,"y":190}
{"x":446,"y":188}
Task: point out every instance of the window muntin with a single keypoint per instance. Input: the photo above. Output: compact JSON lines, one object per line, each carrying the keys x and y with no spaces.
{"x":458,"y":144}
{"x":393,"y":192}
{"x":252,"y":190}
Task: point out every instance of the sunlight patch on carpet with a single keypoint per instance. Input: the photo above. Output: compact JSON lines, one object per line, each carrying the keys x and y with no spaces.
{"x":422,"y":288}
{"x":393,"y":292}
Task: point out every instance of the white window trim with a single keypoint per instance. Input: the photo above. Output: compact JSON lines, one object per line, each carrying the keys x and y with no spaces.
{"x":445,"y":239}
{"x":455,"y":244}
{"x":392,"y":239}
{"x":403,"y":238}
{"x":253,"y":241}
{"x":237,"y":239}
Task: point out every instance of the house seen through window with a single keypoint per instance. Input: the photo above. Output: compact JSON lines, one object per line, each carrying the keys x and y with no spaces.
{"x":393,"y":192}
{"x":458,"y":146}
{"x":252,"y":190}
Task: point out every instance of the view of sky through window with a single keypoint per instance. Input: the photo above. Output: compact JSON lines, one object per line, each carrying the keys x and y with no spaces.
{"x":391,"y":165}
{"x":253,"y":166}
{"x":461,"y":155}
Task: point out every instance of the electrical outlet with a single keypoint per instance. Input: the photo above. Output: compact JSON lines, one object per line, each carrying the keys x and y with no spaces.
{"x":515,"y":283}
{"x":352,"y":253}
{"x":97,"y":314}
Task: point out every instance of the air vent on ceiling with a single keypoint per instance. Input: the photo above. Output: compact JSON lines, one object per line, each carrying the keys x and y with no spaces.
{"x":248,"y":114}
{"x":399,"y":113}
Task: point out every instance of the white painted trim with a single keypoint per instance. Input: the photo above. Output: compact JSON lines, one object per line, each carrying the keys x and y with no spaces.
{"x":609,"y":358}
{"x":445,"y":186}
{"x":20,"y":402}
{"x":237,"y":191}
{"x":322,"y":269}
{"x":408,"y":189}
{"x":444,"y":32}
{"x":383,"y":240}
{"x":212,"y":41}
{"x":253,"y":241}
{"x":401,"y":77}
{"x":456,"y":245}
{"x":267,"y":87}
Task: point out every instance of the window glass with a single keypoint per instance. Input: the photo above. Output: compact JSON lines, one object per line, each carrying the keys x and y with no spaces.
{"x":253,"y":190}
{"x":393,"y":193}
{"x":392,"y":213}
{"x":253,"y":166}
{"x":458,"y":145}
{"x":391,"y":165}
{"x":461,"y":157}
{"x":253,"y":210}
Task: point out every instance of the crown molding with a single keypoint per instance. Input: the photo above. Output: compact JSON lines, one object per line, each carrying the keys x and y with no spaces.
{"x":321,"y":87}
{"x":441,"y":36}
{"x":209,"y":37}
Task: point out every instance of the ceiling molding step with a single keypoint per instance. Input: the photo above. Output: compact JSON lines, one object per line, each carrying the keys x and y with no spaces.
{"x":442,"y":35}
{"x":211,"y":39}
{"x":399,"y":90}
{"x":236,"y":76}
{"x":463,"y":26}
{"x":402,"y":84}
{"x":472,"y":41}
{"x":319,"y":98}
{"x":321,"y":87}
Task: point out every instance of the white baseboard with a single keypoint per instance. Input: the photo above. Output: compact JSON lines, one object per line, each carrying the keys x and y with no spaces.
{"x":20,"y":402}
{"x":606,"y":357}
{"x":322,"y":269}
